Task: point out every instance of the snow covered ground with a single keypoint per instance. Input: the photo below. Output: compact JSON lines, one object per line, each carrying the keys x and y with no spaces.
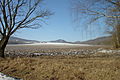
{"x":69,"y":44}
{"x":5,"y":77}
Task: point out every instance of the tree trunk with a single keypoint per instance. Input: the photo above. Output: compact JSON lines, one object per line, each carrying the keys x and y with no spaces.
{"x":2,"y":53}
{"x":118,"y":35}
{"x":116,"y":42}
{"x":3,"y":43}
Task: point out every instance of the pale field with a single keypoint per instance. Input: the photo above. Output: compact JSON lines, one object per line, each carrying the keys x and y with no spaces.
{"x":49,"y":47}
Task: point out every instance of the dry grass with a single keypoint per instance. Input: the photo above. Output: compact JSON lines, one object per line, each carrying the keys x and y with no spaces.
{"x":75,"y":67}
{"x":62,"y":68}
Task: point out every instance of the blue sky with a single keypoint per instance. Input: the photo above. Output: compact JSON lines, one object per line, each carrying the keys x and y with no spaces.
{"x":60,"y":25}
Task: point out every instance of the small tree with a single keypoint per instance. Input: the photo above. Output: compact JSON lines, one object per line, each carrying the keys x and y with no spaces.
{"x":109,"y":10}
{"x":18,"y":14}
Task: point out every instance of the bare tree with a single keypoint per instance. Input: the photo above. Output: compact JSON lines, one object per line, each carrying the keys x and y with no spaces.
{"x":18,"y":14}
{"x":109,"y":10}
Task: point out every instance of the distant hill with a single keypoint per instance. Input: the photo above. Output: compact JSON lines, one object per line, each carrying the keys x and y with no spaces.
{"x":98,"y":41}
{"x":76,"y":42}
{"x":16,"y":40}
{"x":59,"y":41}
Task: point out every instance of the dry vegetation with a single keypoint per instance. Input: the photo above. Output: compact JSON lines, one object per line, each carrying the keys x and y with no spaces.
{"x":60,"y":67}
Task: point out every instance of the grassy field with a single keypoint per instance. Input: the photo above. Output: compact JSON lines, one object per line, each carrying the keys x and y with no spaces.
{"x":62,"y":68}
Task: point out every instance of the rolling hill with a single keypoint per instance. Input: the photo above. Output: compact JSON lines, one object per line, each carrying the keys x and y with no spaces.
{"x":99,"y":41}
{"x":16,"y":40}
{"x":59,"y":41}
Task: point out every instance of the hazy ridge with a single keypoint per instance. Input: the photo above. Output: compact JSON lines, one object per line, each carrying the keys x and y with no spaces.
{"x":98,"y":41}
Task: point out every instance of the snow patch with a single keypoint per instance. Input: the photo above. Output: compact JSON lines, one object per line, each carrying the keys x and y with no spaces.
{"x":56,"y":44}
{"x":5,"y":77}
{"x":108,"y":51}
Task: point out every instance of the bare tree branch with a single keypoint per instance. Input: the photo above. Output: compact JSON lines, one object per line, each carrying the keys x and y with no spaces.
{"x":109,"y":10}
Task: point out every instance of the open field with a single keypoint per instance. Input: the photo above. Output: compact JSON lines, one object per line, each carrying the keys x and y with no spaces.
{"x":45,"y":48}
{"x":92,"y":62}
{"x":62,"y":68}
{"x":51,"y":49}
